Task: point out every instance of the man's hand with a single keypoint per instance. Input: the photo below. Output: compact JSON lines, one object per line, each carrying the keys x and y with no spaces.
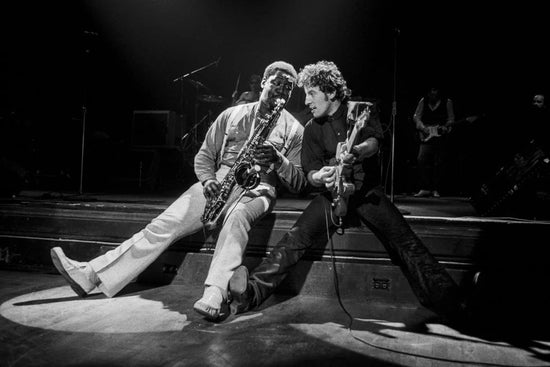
{"x":211,"y":188}
{"x":266,"y":154}
{"x":351,"y":157}
{"x":325,"y":176}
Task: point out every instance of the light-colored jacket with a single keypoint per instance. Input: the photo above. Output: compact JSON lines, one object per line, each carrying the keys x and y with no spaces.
{"x":286,"y":136}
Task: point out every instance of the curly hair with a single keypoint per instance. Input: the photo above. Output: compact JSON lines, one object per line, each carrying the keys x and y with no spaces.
{"x":326,"y":76}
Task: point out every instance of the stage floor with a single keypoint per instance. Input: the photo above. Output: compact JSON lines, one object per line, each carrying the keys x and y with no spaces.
{"x":43,"y":323}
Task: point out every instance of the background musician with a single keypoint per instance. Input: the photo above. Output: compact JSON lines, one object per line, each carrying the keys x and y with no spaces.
{"x":250,"y":95}
{"x":433,"y":117}
{"x":279,"y":162}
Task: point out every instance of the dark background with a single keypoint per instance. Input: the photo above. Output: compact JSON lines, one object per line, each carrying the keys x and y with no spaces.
{"x":114,"y":57}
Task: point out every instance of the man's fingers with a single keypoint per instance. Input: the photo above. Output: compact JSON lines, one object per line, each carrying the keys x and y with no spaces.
{"x":211,"y":189}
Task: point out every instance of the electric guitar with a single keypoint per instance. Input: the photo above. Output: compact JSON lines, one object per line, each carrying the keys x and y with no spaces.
{"x":439,"y":130}
{"x":358,"y":115}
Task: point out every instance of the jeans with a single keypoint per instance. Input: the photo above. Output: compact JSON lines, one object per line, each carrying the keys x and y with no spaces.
{"x":429,"y":280}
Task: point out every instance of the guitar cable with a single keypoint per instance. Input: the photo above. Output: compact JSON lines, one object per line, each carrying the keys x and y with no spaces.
{"x":351,"y":318}
{"x":334,"y":272}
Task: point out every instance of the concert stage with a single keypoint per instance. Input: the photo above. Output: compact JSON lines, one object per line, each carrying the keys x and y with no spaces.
{"x":152,"y":323}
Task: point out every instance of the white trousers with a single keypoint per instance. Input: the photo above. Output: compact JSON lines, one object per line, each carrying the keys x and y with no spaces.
{"x":120,"y":266}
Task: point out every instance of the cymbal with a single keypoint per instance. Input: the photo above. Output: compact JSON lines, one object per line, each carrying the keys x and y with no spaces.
{"x":210,"y":98}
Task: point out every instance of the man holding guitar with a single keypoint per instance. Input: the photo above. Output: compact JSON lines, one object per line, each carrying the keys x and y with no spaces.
{"x":433,"y":118}
{"x":327,"y":97}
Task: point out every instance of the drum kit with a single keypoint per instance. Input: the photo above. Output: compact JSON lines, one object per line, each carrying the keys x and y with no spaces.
{"x":210,"y":98}
{"x":207,"y":104}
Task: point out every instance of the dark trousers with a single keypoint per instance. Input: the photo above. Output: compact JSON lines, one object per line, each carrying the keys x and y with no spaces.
{"x":431,"y":157}
{"x":429,"y":280}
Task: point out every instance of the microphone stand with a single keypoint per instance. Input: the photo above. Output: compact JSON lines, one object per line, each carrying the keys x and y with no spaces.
{"x":87,"y":52}
{"x":393,"y":112}
{"x":196,"y":71}
{"x":80,"y":191}
{"x":397,"y":31}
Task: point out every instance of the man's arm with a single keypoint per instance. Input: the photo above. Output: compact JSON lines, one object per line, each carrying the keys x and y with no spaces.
{"x":206,"y":157}
{"x":417,"y":117}
{"x":450,"y":112}
{"x":366,"y":149}
{"x":289,"y":166}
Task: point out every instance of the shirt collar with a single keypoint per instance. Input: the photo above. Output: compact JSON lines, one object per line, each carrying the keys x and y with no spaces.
{"x":335,"y":116}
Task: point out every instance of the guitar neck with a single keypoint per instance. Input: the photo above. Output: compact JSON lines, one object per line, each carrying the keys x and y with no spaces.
{"x":351,"y":139}
{"x":359,"y":124}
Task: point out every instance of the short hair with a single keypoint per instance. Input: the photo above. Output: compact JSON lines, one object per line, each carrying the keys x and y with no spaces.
{"x":326,"y":76}
{"x":272,"y":68}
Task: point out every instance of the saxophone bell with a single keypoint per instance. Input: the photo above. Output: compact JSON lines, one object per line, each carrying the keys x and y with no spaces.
{"x":247,"y":176}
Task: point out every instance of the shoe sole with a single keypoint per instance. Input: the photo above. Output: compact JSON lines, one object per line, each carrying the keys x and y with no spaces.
{"x":236,"y":285}
{"x":204,"y":312}
{"x":56,"y":255}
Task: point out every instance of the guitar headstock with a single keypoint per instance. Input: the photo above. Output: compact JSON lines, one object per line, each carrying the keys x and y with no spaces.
{"x":358,"y":113}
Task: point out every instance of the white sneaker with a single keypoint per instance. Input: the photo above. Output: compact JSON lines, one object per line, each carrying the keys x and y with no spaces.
{"x":74,"y":272}
{"x":436,"y":194}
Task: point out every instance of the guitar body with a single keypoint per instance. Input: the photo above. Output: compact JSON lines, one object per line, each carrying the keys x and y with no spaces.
{"x":433,"y":132}
{"x":436,"y":131}
{"x":342,"y":188}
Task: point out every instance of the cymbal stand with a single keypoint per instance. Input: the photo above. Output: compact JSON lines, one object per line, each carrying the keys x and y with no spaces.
{"x":181,"y":79}
{"x":84,"y":110}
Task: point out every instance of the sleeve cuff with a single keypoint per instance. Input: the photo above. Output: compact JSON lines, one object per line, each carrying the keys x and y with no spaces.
{"x":205,"y":177}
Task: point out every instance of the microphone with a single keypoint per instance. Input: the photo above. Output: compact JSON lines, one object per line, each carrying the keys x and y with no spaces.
{"x":218,"y":61}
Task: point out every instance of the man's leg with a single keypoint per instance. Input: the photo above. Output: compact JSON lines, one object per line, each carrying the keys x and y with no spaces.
{"x":429,"y":280}
{"x":230,"y":248}
{"x":439,"y":159}
{"x":424,"y":170}
{"x":116,"y":268}
{"x":310,"y":228}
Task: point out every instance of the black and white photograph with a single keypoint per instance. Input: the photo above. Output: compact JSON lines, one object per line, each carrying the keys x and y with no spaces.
{"x":274,"y":183}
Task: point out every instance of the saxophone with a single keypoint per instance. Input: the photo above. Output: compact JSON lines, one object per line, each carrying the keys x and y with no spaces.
{"x":244,"y":172}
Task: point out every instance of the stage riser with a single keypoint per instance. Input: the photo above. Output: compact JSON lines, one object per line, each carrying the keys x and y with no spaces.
{"x":374,"y":281}
{"x":28,"y":233}
{"x":449,"y":242}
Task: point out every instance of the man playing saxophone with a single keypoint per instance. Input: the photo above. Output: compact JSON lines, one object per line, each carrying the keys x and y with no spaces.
{"x":275,"y":159}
